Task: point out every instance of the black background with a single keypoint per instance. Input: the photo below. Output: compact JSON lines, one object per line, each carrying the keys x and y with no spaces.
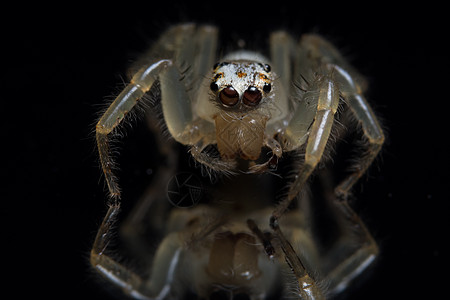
{"x":62,"y":62}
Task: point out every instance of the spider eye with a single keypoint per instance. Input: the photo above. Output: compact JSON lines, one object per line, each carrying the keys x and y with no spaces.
{"x":229,"y":96}
{"x":252,"y":96}
{"x":213,"y":86}
{"x":267,"y":68}
{"x":267,"y":87}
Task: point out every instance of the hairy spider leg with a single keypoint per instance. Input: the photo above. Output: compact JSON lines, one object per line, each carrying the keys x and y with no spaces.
{"x":167,"y":259}
{"x":105,"y":265}
{"x":308,"y":288}
{"x":177,"y":46}
{"x":127,"y":99}
{"x":331,"y":79}
{"x":323,"y":58}
{"x":353,"y":248}
{"x":327,"y":96}
{"x":371,"y":129}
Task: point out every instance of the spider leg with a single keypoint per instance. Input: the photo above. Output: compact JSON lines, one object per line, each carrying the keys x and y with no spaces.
{"x":354,"y":250}
{"x":281,"y":49}
{"x":163,"y":271}
{"x":180,"y":57}
{"x":371,"y":129}
{"x":327,"y":96}
{"x":306,"y":284}
{"x":316,"y":53}
{"x":127,"y":99}
{"x":127,"y":280}
{"x":179,"y":47}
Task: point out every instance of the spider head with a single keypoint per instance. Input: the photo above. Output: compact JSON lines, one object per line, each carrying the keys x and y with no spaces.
{"x":241,"y":84}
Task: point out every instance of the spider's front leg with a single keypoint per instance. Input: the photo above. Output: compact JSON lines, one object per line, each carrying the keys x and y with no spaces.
{"x":320,"y":54}
{"x":325,"y":93}
{"x":141,"y":82}
{"x":182,"y":55}
{"x":179,"y":46}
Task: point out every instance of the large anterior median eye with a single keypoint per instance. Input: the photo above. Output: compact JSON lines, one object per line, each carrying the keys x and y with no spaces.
{"x":229,"y":96}
{"x":252,"y":96}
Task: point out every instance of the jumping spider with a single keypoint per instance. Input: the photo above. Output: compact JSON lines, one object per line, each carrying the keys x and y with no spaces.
{"x":241,"y":105}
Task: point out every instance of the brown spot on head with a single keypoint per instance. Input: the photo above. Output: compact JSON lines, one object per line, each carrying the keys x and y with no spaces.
{"x":264,"y":77}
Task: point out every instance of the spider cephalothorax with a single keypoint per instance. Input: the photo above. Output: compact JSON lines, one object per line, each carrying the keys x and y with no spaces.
{"x":242,"y":88}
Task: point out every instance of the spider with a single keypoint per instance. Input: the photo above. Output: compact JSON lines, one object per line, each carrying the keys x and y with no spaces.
{"x":253,"y":111}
